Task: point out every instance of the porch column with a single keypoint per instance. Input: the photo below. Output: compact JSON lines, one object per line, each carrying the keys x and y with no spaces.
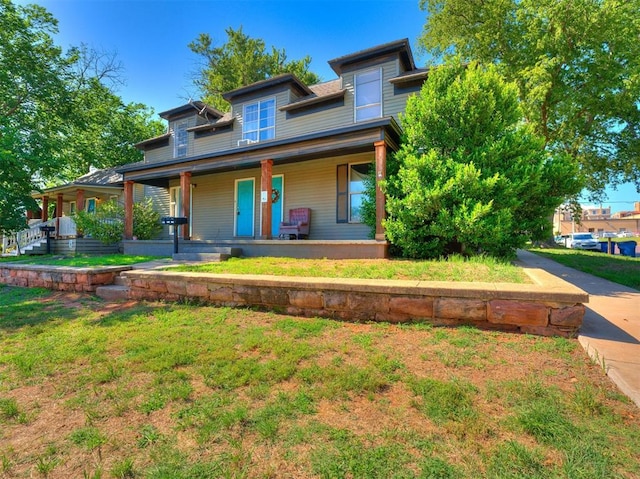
{"x":45,"y":209}
{"x":80,"y":200}
{"x":265,"y":197}
{"x":185,"y":188}
{"x":58,"y":214}
{"x":381,"y":174}
{"x":128,"y":210}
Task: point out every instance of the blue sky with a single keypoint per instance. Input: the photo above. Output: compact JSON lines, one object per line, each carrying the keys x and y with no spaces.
{"x":150,"y":38}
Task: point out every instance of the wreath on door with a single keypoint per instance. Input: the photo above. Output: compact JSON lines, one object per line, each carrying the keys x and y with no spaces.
{"x":275,"y":195}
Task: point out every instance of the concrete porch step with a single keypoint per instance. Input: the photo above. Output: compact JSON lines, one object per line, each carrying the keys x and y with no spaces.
{"x":113,"y":292}
{"x":208,"y":257}
{"x":120,"y":281}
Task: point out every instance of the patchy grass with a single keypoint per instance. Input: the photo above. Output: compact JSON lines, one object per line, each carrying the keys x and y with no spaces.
{"x":619,"y":269}
{"x":89,"y":389}
{"x":81,"y":261}
{"x":454,"y":269}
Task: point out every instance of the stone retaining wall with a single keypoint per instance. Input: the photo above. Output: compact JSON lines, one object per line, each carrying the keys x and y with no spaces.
{"x":59,"y":278}
{"x":543,"y":309}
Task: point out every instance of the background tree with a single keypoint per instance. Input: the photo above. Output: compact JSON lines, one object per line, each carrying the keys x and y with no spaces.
{"x":35,"y":101}
{"x":576,"y":64}
{"x":242,"y":60}
{"x":58,"y":112}
{"x":103,"y":129}
{"x":471,"y":175}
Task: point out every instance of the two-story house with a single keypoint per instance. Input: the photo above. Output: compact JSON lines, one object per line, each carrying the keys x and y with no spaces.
{"x":283,"y":145}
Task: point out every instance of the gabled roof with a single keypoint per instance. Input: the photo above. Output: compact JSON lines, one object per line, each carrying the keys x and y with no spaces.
{"x":401,"y":47}
{"x":226,"y":120}
{"x":202,"y":108}
{"x":102,"y":180}
{"x":321,"y":93}
{"x":285,"y":78}
{"x":104,"y":177}
{"x":156,"y":140}
{"x":419,"y":74}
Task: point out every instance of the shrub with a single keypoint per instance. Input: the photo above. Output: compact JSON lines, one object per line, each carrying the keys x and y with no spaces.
{"x":471,"y":177}
{"x":107,"y":222}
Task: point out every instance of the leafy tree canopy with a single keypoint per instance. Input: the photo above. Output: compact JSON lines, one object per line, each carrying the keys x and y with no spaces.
{"x":242,"y":60}
{"x":35,"y":99}
{"x":470,"y":175}
{"x":576,"y":64}
{"x":58,"y":113}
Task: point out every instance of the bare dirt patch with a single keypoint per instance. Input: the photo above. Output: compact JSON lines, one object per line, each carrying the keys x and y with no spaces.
{"x":358,"y":378}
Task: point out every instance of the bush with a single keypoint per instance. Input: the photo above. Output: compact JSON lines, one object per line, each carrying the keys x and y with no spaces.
{"x":471,"y":177}
{"x":107,"y":222}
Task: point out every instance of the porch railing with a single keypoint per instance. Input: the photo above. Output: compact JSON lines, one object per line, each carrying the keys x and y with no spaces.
{"x":16,"y":243}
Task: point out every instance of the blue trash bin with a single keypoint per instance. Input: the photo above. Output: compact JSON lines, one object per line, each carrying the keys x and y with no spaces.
{"x":627,"y":248}
{"x":604,"y":246}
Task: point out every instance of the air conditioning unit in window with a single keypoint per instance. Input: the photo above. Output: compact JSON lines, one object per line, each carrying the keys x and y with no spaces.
{"x":246,"y":142}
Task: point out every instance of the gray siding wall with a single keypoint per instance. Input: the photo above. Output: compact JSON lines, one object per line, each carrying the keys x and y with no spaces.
{"x":292,"y":124}
{"x":309,"y":184}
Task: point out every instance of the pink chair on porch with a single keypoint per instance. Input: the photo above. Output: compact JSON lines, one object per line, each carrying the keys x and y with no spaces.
{"x":298,"y":224}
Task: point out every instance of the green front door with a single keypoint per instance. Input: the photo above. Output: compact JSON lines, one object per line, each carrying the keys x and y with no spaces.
{"x":244,"y":207}
{"x":277,"y":198}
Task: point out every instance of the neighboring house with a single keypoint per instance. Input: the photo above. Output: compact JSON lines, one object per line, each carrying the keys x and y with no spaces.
{"x":283,"y":145}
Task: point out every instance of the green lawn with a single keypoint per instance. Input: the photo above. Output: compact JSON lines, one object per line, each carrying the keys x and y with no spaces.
{"x":619,"y":269}
{"x":186,"y":391}
{"x":81,"y":261}
{"x":453,"y":269}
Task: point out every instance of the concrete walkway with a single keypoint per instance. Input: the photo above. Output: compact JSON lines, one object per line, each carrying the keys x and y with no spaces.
{"x":610,"y":333}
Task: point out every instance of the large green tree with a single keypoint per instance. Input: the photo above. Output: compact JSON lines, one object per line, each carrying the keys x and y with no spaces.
{"x":58,"y":112}
{"x":240,"y":61}
{"x":576,"y":64}
{"x":471,"y":176}
{"x":35,"y":105}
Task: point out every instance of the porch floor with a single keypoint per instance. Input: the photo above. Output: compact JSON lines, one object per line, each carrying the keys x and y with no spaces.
{"x":332,"y":249}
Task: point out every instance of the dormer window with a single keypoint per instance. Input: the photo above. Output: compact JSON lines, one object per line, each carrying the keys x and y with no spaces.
{"x":180,"y":139}
{"x":259,"y":120}
{"x":368,"y":95}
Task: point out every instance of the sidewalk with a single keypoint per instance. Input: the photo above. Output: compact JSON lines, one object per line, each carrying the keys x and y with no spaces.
{"x":610,"y":332}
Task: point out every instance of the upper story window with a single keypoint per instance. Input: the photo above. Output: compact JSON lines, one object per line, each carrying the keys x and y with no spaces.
{"x":259,"y":120}
{"x":180,"y":139}
{"x":368,"y":93}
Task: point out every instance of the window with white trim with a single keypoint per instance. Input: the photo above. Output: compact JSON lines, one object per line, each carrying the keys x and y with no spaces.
{"x":259,"y":120}
{"x":368,"y":95}
{"x":180,"y":139}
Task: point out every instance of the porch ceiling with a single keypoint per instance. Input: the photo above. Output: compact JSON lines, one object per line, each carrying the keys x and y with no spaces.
{"x":69,"y":192}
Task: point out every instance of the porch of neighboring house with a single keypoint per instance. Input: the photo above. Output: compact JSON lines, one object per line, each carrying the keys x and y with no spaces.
{"x":57,"y":207}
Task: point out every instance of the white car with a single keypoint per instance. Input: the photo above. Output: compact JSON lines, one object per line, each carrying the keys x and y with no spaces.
{"x":582,"y":241}
{"x":625,"y":234}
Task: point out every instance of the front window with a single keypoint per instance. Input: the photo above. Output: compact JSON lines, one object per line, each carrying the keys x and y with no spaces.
{"x":259,"y":120}
{"x":72,"y":208}
{"x":91,"y":205}
{"x":368,"y":93}
{"x":357,"y":175}
{"x":180,"y":140}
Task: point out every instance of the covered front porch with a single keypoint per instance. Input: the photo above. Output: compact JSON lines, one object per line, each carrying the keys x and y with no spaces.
{"x":239,"y":197}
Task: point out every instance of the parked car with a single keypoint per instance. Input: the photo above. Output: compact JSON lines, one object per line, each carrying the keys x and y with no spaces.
{"x":625,"y":234}
{"x":582,"y":241}
{"x":608,"y":234}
